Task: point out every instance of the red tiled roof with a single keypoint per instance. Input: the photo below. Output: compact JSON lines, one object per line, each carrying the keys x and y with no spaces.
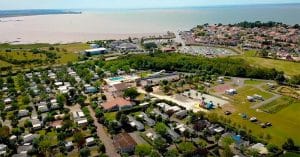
{"x":120,"y":102}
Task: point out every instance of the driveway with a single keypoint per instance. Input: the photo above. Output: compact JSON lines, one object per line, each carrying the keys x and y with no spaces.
{"x":104,"y":137}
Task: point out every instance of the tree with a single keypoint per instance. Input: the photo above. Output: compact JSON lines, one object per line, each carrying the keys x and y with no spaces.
{"x":186,"y":147}
{"x":161,"y":129}
{"x":143,"y":150}
{"x":289,"y":145}
{"x":85,"y":152}
{"x":227,"y":152}
{"x":61,"y":99}
{"x":160,"y":144}
{"x":148,"y":89}
{"x":44,"y":145}
{"x":154,"y":154}
{"x":132,"y":93}
{"x":79,"y":139}
{"x":123,"y":119}
{"x":172,"y":153}
{"x":99,"y":113}
{"x":272,"y":148}
{"x":4,"y":133}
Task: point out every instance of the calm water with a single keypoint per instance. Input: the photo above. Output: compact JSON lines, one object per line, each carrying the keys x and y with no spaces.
{"x":115,"y":24}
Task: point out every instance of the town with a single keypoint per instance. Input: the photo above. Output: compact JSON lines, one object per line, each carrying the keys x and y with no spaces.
{"x":153,"y":97}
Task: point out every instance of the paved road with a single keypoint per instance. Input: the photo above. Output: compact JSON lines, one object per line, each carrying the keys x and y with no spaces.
{"x":276,"y":96}
{"x":104,"y":137}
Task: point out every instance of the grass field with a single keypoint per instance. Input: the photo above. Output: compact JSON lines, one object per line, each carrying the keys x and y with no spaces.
{"x":285,"y":121}
{"x":65,"y":53}
{"x":290,"y":68}
{"x":278,"y":104}
{"x":253,"y":82}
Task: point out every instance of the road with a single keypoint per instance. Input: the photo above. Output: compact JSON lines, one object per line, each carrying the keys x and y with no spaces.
{"x":276,"y":96}
{"x":104,"y":137}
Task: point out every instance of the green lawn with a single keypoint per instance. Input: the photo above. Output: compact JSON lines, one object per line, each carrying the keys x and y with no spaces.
{"x":110,"y":116}
{"x":285,"y":122}
{"x":290,"y":68}
{"x":253,"y":82}
{"x":278,"y":104}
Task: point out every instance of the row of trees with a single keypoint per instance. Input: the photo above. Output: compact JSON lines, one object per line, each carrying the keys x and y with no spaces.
{"x":187,"y":63}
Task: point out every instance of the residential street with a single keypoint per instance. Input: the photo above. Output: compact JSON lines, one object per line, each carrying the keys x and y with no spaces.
{"x":107,"y":141}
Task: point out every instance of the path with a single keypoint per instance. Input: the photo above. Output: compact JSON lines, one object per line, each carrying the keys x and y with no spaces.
{"x":276,"y":96}
{"x":107,"y":141}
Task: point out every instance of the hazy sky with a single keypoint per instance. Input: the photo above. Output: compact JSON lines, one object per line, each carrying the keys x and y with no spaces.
{"x":71,"y":4}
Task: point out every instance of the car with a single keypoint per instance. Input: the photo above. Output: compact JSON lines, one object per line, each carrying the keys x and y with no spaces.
{"x":263,"y":125}
{"x":227,"y":113}
{"x":253,"y":119}
{"x":269,"y":124}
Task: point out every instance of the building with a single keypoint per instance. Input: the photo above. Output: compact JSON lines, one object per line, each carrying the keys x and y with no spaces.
{"x":150,"y":122}
{"x":96,"y":51}
{"x":23,"y":113}
{"x":29,"y":138}
{"x":69,"y":145}
{"x":90,"y":141}
{"x":156,"y":79}
{"x":124,"y":143}
{"x":116,"y":104}
{"x":135,"y":124}
{"x":90,"y":90}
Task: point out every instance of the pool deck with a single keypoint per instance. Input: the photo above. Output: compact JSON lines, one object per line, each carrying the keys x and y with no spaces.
{"x":119,"y":79}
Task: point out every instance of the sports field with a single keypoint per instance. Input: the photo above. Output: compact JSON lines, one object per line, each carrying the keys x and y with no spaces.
{"x":284,"y":117}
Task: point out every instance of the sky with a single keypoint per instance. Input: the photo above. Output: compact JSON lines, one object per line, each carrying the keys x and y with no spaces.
{"x":94,"y":4}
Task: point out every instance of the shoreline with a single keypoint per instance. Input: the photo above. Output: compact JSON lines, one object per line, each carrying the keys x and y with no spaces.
{"x":68,"y":38}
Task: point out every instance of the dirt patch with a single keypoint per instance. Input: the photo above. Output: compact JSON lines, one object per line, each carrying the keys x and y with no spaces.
{"x":222,"y":88}
{"x":228,"y":107}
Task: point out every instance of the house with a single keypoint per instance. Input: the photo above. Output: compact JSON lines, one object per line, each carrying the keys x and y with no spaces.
{"x":172,"y":134}
{"x":155,"y":79}
{"x":90,"y":90}
{"x":8,"y":101}
{"x":69,"y":145}
{"x":181,"y":114}
{"x":231,"y":92}
{"x":90,"y":141}
{"x":3,"y":149}
{"x":118,"y":89}
{"x":95,"y":51}
{"x":23,"y":113}
{"x":135,"y":124}
{"x":36,"y":124}
{"x":116,"y":104}
{"x":43,"y":108}
{"x":23,"y":149}
{"x":13,"y":138}
{"x":150,"y":122}
{"x":157,"y":113}
{"x":29,"y":138}
{"x":79,"y":118}
{"x":124,"y":143}
{"x":250,"y":98}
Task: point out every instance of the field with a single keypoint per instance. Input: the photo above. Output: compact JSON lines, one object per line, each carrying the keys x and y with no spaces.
{"x":285,"y":120}
{"x":20,"y":56}
{"x":278,"y":104}
{"x":290,"y":68}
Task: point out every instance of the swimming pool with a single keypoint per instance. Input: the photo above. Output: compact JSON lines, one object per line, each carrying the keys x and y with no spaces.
{"x":116,"y":79}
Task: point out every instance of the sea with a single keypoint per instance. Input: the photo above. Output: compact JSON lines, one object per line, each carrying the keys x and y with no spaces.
{"x":100,"y":24}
